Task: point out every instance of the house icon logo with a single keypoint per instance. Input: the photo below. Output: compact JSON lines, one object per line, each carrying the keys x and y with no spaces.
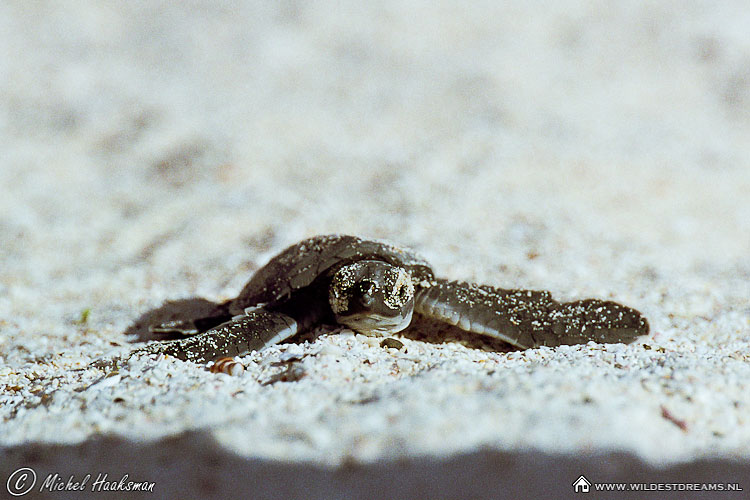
{"x":581,"y":485}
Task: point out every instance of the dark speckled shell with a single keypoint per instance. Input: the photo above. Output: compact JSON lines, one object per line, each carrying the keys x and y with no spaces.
{"x":299,"y":265}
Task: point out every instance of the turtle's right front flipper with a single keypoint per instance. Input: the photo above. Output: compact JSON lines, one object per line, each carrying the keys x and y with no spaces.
{"x":525,"y":318}
{"x":251,"y":331}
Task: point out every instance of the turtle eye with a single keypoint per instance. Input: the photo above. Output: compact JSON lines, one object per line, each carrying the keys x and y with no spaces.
{"x":403,"y":294}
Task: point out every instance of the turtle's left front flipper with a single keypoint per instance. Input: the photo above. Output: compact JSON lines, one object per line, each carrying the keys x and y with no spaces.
{"x":602,"y":321}
{"x":526,"y":318}
{"x":508,"y":315}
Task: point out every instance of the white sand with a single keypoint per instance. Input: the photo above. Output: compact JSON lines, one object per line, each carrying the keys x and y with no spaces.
{"x":155,"y":152}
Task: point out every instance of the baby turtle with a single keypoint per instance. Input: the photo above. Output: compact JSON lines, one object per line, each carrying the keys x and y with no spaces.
{"x":374,"y":288}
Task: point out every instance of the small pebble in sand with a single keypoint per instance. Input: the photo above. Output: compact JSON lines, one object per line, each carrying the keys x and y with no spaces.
{"x":392,"y":343}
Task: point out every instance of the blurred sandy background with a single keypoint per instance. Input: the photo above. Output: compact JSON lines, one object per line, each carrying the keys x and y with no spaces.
{"x":154,"y":151}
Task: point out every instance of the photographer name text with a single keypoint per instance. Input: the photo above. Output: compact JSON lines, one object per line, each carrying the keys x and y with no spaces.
{"x":53,"y":482}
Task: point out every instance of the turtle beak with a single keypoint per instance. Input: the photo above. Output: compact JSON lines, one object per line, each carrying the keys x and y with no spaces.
{"x":370,"y":323}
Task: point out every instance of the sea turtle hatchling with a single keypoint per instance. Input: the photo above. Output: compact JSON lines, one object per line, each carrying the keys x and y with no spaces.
{"x":374,"y":288}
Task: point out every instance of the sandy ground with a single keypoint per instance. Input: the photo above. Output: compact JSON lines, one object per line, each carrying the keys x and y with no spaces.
{"x":157,"y":151}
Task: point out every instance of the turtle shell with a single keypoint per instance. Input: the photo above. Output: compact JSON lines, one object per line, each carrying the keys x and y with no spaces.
{"x":301,"y":264}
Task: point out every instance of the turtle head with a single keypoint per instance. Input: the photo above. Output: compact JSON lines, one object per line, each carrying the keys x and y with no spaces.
{"x":372,"y":297}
